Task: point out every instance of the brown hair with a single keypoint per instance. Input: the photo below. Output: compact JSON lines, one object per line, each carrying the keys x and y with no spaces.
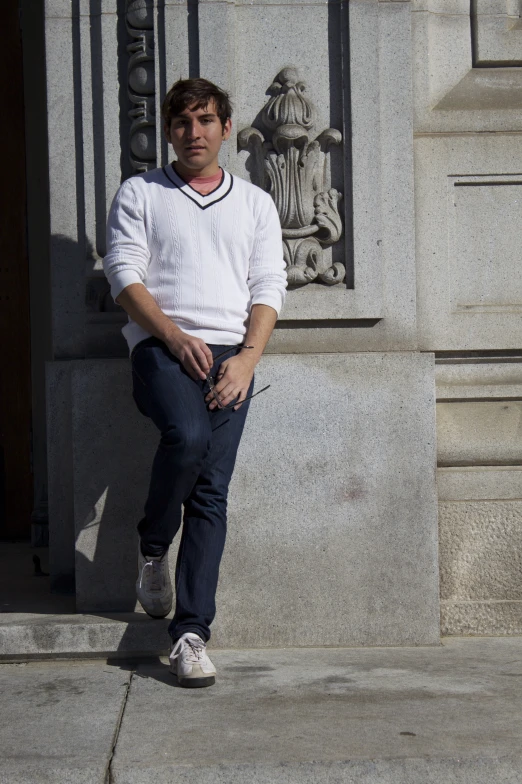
{"x":197,"y":94}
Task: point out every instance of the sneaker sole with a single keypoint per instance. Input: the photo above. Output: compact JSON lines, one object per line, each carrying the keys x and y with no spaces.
{"x":196,"y":683}
{"x":156,"y":617}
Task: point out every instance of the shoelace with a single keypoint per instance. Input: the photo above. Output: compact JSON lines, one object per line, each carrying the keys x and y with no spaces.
{"x":154,"y":575}
{"x":193,"y":650}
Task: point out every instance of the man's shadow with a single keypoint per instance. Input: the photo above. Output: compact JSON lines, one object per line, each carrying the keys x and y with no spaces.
{"x":150,"y":667}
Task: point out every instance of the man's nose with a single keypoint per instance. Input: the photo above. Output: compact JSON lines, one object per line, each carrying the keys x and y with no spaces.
{"x":193,"y":130}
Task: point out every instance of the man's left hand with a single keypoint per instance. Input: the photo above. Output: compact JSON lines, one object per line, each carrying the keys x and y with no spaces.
{"x":233,"y":381}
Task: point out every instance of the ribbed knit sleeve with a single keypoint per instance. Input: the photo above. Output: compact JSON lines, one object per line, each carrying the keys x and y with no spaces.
{"x":267,"y":275}
{"x":128,"y":255}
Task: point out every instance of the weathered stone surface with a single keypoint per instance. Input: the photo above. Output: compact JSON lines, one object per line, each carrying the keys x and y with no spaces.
{"x":482,"y":380}
{"x":477,"y":483}
{"x":481,"y":618}
{"x":66,"y":252}
{"x":332,"y":529}
{"x":376,"y":716}
{"x":480,"y":311}
{"x":60,"y":721}
{"x":381,"y":716}
{"x":498,"y":35}
{"x":480,"y":545}
{"x":31,"y":635}
{"x":450,"y":94}
{"x":480,"y":525}
{"x":479,"y":433}
{"x":324,"y":516}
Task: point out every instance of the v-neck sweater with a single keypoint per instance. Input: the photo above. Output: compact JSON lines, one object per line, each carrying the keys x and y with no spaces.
{"x":206,"y":259}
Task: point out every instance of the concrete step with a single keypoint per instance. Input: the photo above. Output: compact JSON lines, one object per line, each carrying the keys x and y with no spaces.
{"x":37,"y":635}
{"x":450,"y":714}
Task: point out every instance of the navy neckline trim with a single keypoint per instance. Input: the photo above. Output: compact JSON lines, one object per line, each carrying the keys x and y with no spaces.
{"x":201,"y":206}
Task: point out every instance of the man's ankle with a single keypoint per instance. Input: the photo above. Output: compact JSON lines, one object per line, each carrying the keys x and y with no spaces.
{"x":152,"y":551}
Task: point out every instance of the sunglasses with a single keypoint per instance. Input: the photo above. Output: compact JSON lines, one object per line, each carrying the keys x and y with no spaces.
{"x":211,"y":382}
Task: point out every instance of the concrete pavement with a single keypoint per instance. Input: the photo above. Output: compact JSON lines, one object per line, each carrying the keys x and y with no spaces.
{"x":375,"y":715}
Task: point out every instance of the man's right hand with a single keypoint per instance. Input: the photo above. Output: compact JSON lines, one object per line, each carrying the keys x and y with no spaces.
{"x":193,"y":353}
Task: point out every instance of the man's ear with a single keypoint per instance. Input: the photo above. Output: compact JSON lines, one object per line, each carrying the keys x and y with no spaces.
{"x":227,"y":129}
{"x":166,"y":131}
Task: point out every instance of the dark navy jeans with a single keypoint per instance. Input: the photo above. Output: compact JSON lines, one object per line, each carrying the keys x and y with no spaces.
{"x":192,"y":469}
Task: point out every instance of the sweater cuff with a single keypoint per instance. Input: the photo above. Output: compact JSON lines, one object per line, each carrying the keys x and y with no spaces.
{"x":120,"y":280}
{"x":273,"y":298}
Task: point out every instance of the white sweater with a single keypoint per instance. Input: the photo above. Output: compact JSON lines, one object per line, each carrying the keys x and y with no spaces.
{"x":205,"y":259}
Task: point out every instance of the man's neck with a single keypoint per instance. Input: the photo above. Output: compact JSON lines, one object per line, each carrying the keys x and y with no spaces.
{"x":207,"y":171}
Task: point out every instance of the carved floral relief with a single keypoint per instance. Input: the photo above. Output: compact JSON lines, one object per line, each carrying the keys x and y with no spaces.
{"x":290,"y":162}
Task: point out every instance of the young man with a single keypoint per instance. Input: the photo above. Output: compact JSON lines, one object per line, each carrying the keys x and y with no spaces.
{"x":195,"y":258}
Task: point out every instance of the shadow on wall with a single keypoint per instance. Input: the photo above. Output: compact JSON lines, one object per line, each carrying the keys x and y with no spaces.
{"x":113,"y":446}
{"x":100,"y":447}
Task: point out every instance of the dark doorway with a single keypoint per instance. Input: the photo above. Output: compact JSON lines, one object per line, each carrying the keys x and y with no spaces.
{"x":16,"y":482}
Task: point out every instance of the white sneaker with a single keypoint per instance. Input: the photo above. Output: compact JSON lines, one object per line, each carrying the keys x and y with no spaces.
{"x":153,"y":586}
{"x":189,"y":661}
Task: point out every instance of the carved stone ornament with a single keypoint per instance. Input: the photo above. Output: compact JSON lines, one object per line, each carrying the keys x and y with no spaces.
{"x":141,"y":84}
{"x":289,"y":162}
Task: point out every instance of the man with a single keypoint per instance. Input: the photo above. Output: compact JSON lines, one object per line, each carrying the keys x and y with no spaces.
{"x":195,"y":258}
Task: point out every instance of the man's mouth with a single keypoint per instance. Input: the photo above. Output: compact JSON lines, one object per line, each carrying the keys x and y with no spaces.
{"x":194,"y":149}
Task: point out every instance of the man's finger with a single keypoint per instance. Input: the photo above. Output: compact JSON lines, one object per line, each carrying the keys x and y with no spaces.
{"x":208,"y":354}
{"x":200,"y":357}
{"x":192,"y":368}
{"x":225,"y":389}
{"x":231,"y":395}
{"x":241,"y":399}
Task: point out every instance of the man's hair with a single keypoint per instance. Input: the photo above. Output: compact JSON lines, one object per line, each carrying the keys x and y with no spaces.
{"x":197,"y":94}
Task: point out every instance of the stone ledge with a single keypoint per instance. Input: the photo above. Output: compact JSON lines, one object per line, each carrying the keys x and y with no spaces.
{"x":29,"y":636}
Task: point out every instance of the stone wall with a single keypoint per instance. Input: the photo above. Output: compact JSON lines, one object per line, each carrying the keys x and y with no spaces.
{"x":407,"y":248}
{"x":468,"y":119}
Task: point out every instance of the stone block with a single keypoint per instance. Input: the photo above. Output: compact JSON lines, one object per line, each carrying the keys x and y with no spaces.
{"x":450,"y":94}
{"x":479,"y":483}
{"x":483,"y":248}
{"x":498,"y":33}
{"x":479,"y":433}
{"x":332,"y":511}
{"x":480,"y":516}
{"x":480,"y":545}
{"x":456,"y":381}
{"x":468,"y":294}
{"x":481,"y":619}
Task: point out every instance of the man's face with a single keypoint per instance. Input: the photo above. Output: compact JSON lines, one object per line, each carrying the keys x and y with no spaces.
{"x":196,"y":136}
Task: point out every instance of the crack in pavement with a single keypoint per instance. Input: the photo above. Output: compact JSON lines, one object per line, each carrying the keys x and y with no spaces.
{"x":108,"y":770}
